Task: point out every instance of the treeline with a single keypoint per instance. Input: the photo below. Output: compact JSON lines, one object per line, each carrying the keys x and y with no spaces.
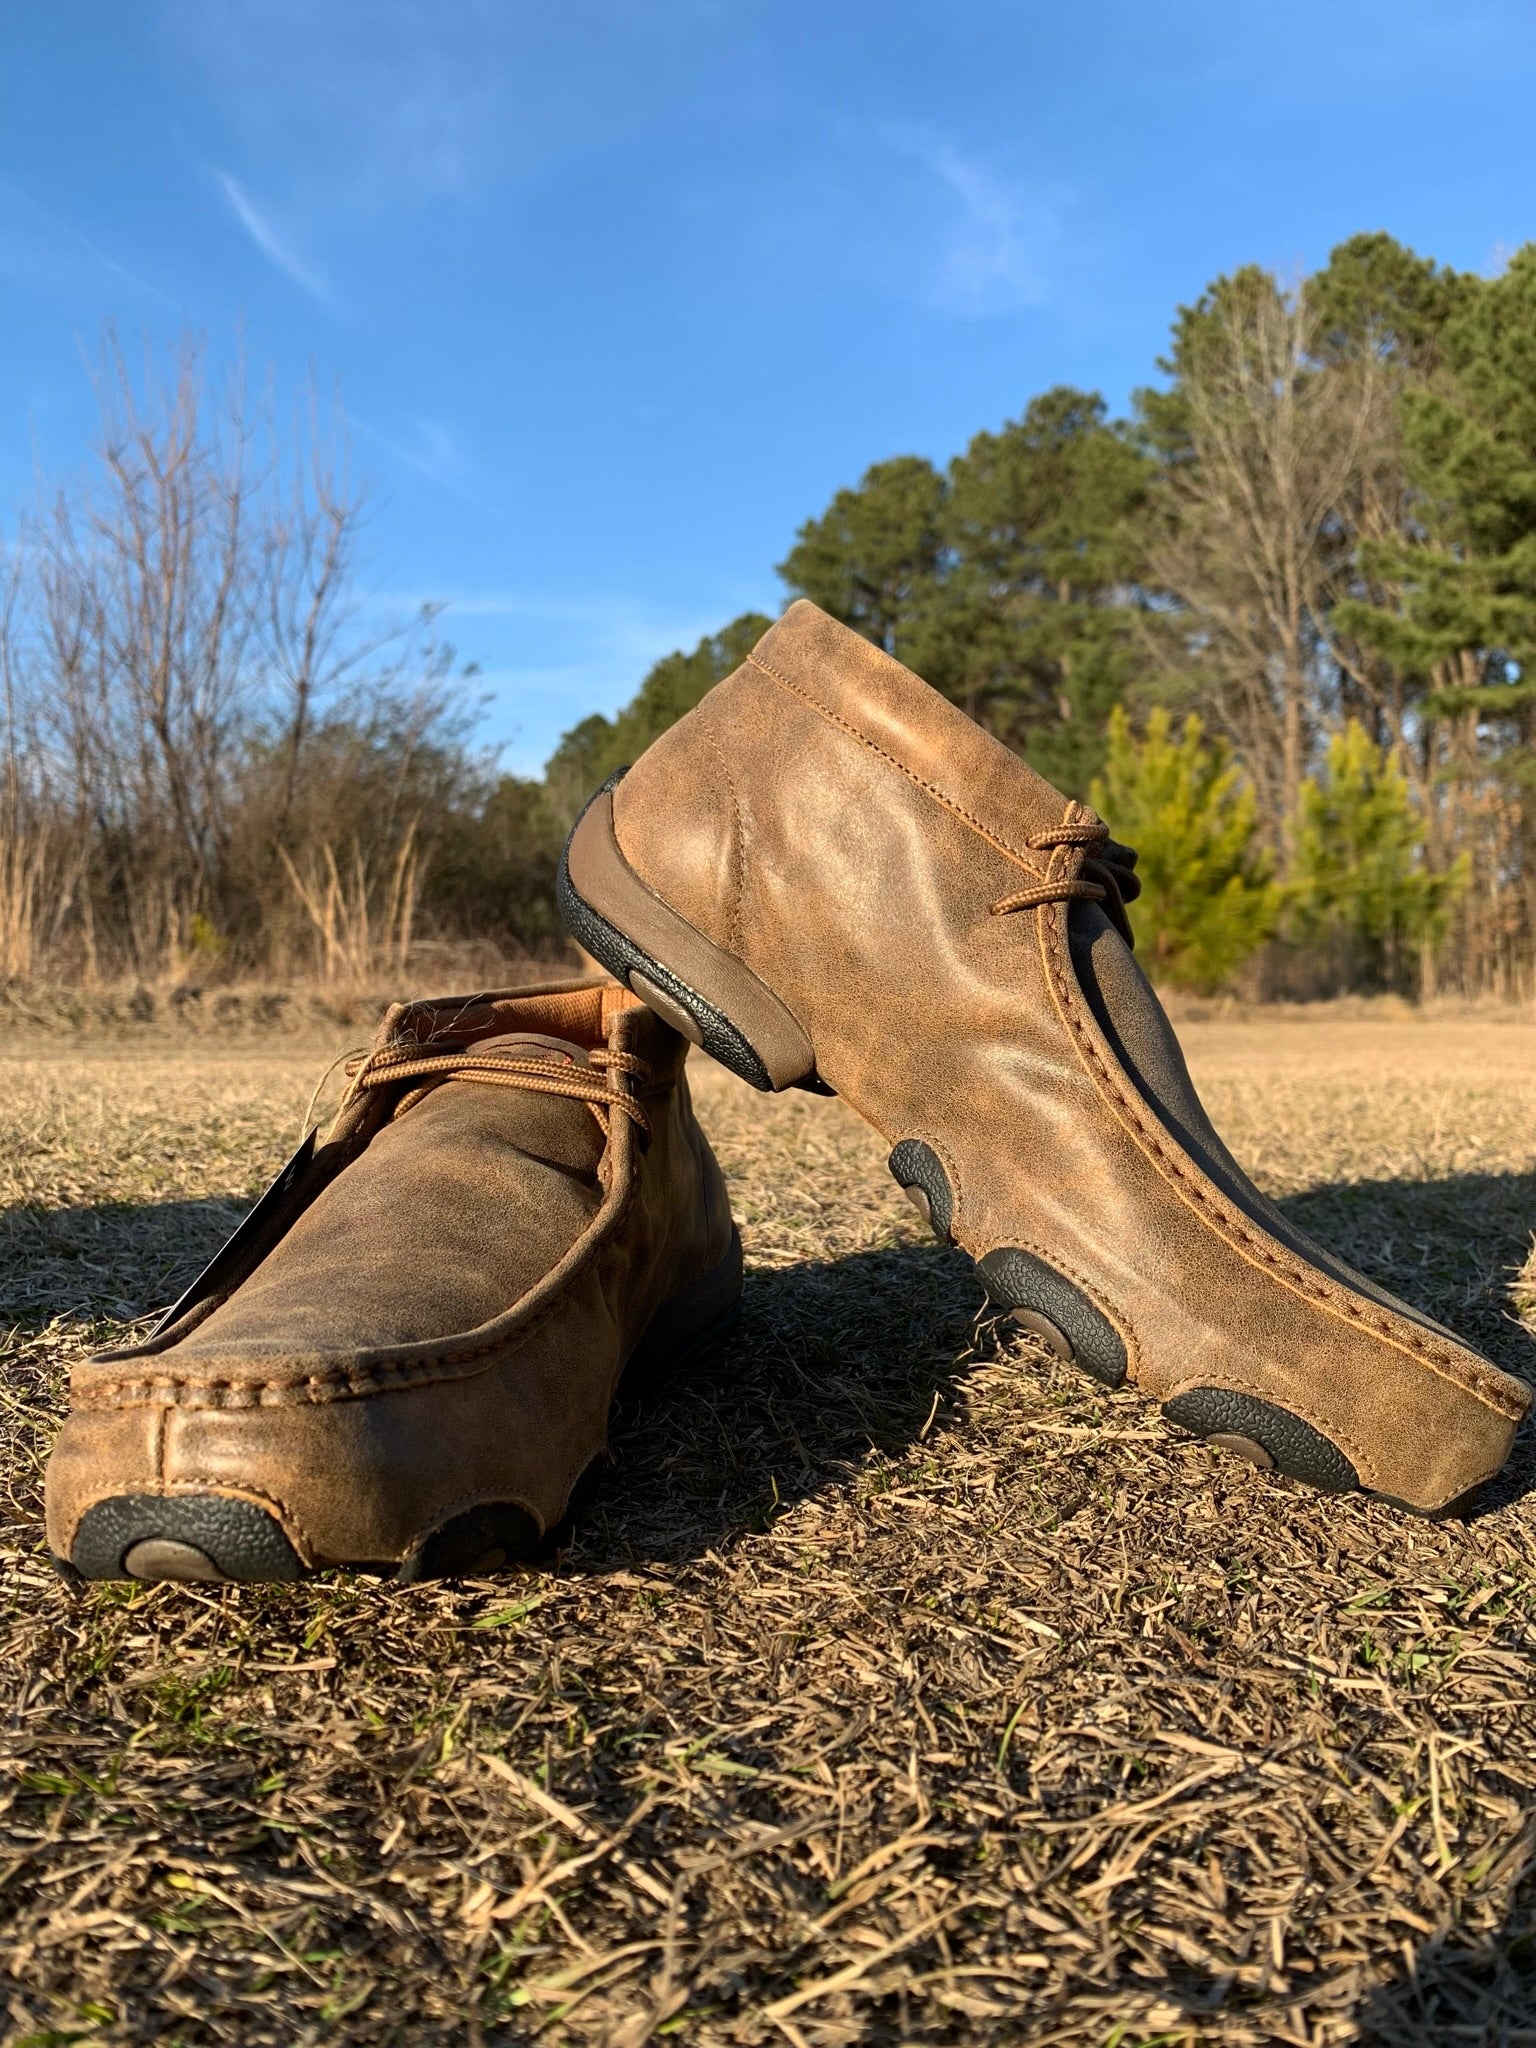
{"x":220,"y":757}
{"x":1278,"y":624}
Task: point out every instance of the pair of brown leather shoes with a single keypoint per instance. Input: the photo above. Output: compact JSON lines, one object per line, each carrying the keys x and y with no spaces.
{"x":827,"y":876}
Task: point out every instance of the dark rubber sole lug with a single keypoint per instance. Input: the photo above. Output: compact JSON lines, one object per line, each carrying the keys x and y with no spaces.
{"x":489,"y":1539}
{"x":1062,"y":1318}
{"x":919,"y":1172}
{"x":1276,"y":1440}
{"x":1042,"y":1301}
{"x":239,"y":1542}
{"x":482,"y":1539}
{"x":1040,"y":1296}
{"x":1289,"y":1445}
{"x":716,"y":1034}
{"x":1066,"y":1322}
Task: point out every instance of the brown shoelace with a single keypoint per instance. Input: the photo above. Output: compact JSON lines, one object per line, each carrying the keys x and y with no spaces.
{"x":1106,"y":874}
{"x":603,"y":1084}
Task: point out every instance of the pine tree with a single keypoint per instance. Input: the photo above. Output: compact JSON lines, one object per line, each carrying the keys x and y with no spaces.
{"x":1011,"y":583}
{"x":1208,"y":898}
{"x":873,"y":548}
{"x":1030,"y":626}
{"x":1458,"y":617}
{"x":1359,"y":893}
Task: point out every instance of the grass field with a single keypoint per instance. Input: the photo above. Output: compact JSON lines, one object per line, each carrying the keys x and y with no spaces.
{"x":903,"y":1687}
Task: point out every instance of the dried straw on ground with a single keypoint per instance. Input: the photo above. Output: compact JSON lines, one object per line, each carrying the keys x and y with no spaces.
{"x":904,"y":1687}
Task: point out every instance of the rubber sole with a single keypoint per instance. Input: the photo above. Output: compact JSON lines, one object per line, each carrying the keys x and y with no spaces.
{"x":1045,"y":1303}
{"x":219,"y":1539}
{"x":1060,"y":1316}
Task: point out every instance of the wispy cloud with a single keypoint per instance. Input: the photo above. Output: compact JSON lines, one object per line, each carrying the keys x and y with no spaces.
{"x":431,"y":449}
{"x":616,"y":629}
{"x":999,"y":235}
{"x":272,"y":245}
{"x":110,"y":264}
{"x":410,"y":103}
{"x":36,"y":248}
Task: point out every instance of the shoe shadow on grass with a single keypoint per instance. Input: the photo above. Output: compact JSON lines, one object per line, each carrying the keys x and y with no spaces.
{"x":1481,"y":1992}
{"x":97,"y":1268}
{"x":74,"y":1281}
{"x":832,"y":1358}
{"x":1455,"y":1248}
{"x":832,"y":1361}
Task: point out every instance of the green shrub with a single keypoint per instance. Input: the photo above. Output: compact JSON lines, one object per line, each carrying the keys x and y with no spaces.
{"x":1208,"y":897}
{"x":1359,"y":893}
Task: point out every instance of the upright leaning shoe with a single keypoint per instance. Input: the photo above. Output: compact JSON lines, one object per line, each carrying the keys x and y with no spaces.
{"x":405,"y":1358}
{"x":826,"y":872}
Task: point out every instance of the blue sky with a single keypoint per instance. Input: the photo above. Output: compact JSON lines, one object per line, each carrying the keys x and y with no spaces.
{"x":617,"y":292}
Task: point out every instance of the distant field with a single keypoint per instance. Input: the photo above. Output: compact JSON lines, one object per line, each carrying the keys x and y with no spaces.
{"x":904,"y":1687}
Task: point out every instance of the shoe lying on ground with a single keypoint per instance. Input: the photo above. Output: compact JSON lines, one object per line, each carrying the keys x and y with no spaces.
{"x":405,"y":1358}
{"x":826,"y":873}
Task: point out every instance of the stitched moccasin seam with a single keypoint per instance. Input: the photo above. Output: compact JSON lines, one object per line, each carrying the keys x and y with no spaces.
{"x":1208,"y":1201}
{"x":1250,"y":1245}
{"x":365,"y":1376}
{"x":240,"y":1390}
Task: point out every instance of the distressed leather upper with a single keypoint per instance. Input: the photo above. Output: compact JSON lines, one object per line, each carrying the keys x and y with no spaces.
{"x":439,"y":1313}
{"x":845,"y":832}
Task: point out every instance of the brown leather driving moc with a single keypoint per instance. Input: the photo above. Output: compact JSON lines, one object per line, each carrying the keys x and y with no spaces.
{"x":404,"y":1359}
{"x":826,"y":874}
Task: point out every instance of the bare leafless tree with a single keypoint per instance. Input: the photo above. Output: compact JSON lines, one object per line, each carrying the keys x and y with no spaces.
{"x":199,"y":691}
{"x":1253,"y":536}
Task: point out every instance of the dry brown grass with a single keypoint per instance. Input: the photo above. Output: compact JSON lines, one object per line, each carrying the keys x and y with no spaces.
{"x":904,"y":1687}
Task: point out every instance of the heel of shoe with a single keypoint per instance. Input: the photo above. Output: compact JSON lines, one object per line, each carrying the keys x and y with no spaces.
{"x":707,"y":994}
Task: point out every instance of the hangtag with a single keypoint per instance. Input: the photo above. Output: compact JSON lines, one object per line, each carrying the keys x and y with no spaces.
{"x":229,"y":1252}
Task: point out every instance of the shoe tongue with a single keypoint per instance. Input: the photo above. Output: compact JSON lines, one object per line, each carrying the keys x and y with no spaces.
{"x":1136,"y":1025}
{"x":534,"y":1045}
